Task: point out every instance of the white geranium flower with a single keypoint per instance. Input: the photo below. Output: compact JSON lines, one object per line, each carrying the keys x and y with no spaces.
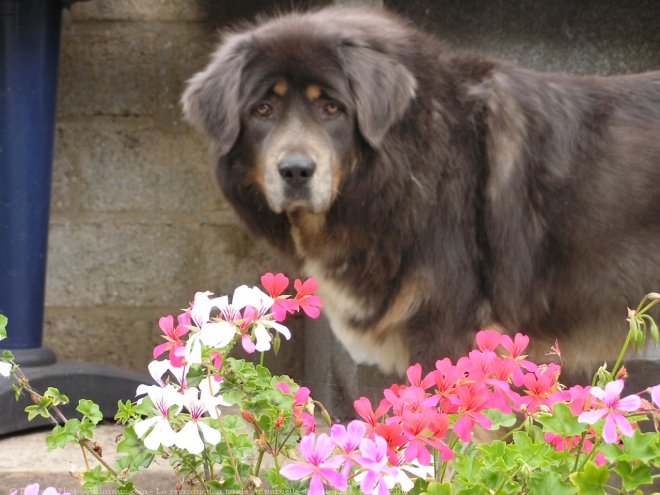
{"x":5,"y":368}
{"x":196,"y":432}
{"x":157,"y":428}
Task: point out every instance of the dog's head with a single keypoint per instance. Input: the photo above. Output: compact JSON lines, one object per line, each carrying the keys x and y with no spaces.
{"x":291,"y":100}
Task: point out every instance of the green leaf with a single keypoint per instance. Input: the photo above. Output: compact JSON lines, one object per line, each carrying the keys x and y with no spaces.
{"x":534,"y":454}
{"x":499,"y":419}
{"x":126,"y":489}
{"x":40,"y":409}
{"x":435,"y":488}
{"x":640,"y":447}
{"x":591,"y":480}
{"x":550,"y":483}
{"x":56,"y":396}
{"x":633,"y":475}
{"x":18,"y":391}
{"x":94,"y":480}
{"x":3,"y":327}
{"x":63,"y":435}
{"x":90,"y":410}
{"x":612,"y":451}
{"x":7,"y":356}
{"x":125,"y":412}
{"x":653,"y":327}
{"x":137,"y":455}
{"x":562,"y":422}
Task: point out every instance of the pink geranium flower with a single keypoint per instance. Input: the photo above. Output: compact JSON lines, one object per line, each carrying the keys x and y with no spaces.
{"x":541,"y":389}
{"x":275,"y":285}
{"x":374,"y":459}
{"x":569,"y":443}
{"x":309,"y":303}
{"x":175,"y":345}
{"x":471,"y":399}
{"x":318,"y":467}
{"x":348,"y":439}
{"x":366,"y":411}
{"x":610,"y":407}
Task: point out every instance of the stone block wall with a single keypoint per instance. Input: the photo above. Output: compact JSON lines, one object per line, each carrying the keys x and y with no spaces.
{"x":137,"y":221}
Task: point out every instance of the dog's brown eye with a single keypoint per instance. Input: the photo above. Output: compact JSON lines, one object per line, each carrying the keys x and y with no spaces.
{"x":264,"y":110}
{"x":331,"y":108}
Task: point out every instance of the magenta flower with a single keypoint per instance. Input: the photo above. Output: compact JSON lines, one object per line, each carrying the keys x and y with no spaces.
{"x":318,"y":466}
{"x":275,"y":285}
{"x":348,"y":440}
{"x":175,"y":345}
{"x":611,"y":409}
{"x":374,"y":460}
{"x":309,"y":303}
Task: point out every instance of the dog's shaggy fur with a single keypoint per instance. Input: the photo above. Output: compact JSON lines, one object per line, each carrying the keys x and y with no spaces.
{"x":432,"y":194}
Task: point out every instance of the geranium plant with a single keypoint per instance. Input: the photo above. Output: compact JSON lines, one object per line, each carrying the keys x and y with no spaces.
{"x":493,"y":422}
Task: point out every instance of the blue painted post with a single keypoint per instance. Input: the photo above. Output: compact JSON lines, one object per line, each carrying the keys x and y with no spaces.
{"x":29,"y":53}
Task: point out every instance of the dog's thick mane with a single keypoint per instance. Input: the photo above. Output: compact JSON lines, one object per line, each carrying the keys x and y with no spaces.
{"x":481,"y":191}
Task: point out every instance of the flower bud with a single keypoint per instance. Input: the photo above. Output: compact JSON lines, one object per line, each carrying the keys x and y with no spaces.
{"x":622,"y":374}
{"x":263,"y":441}
{"x":279,"y":421}
{"x":247,"y":416}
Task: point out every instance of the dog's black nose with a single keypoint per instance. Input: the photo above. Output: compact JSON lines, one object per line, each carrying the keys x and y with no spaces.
{"x":296,"y":170}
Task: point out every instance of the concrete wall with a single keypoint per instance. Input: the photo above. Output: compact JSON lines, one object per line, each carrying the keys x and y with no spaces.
{"x":138,"y":224}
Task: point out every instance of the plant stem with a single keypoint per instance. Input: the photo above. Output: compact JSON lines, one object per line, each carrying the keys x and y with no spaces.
{"x":85,"y":443}
{"x":619,"y":360}
{"x":231,"y":454}
{"x":257,"y":467}
{"x":579,"y":450}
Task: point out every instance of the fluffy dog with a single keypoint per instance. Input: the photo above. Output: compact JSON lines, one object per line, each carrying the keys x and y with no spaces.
{"x":431,"y":193}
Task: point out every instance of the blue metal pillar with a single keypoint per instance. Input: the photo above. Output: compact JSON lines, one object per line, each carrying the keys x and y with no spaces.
{"x":29,"y":54}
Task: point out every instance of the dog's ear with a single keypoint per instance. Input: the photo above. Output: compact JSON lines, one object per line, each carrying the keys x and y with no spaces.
{"x":211,"y":101}
{"x":382,"y":88}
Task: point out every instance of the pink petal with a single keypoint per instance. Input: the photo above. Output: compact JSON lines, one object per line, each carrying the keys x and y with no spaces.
{"x":655,"y":395}
{"x":591,"y":417}
{"x":334,"y":478}
{"x":307,"y":446}
{"x":597,"y":392}
{"x":613,"y":391}
{"x":609,"y":430}
{"x":324,"y":446}
{"x":463,"y":428}
{"x":630,"y":403}
{"x":624,"y":425}
{"x":316,"y":485}
{"x":160,"y":349}
{"x":312,"y":311}
{"x":356,"y":431}
{"x":32,"y":489}
{"x":166,"y":324}
{"x":248,"y":345}
{"x":368,"y":482}
{"x":297,"y":472}
{"x":488,"y":339}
